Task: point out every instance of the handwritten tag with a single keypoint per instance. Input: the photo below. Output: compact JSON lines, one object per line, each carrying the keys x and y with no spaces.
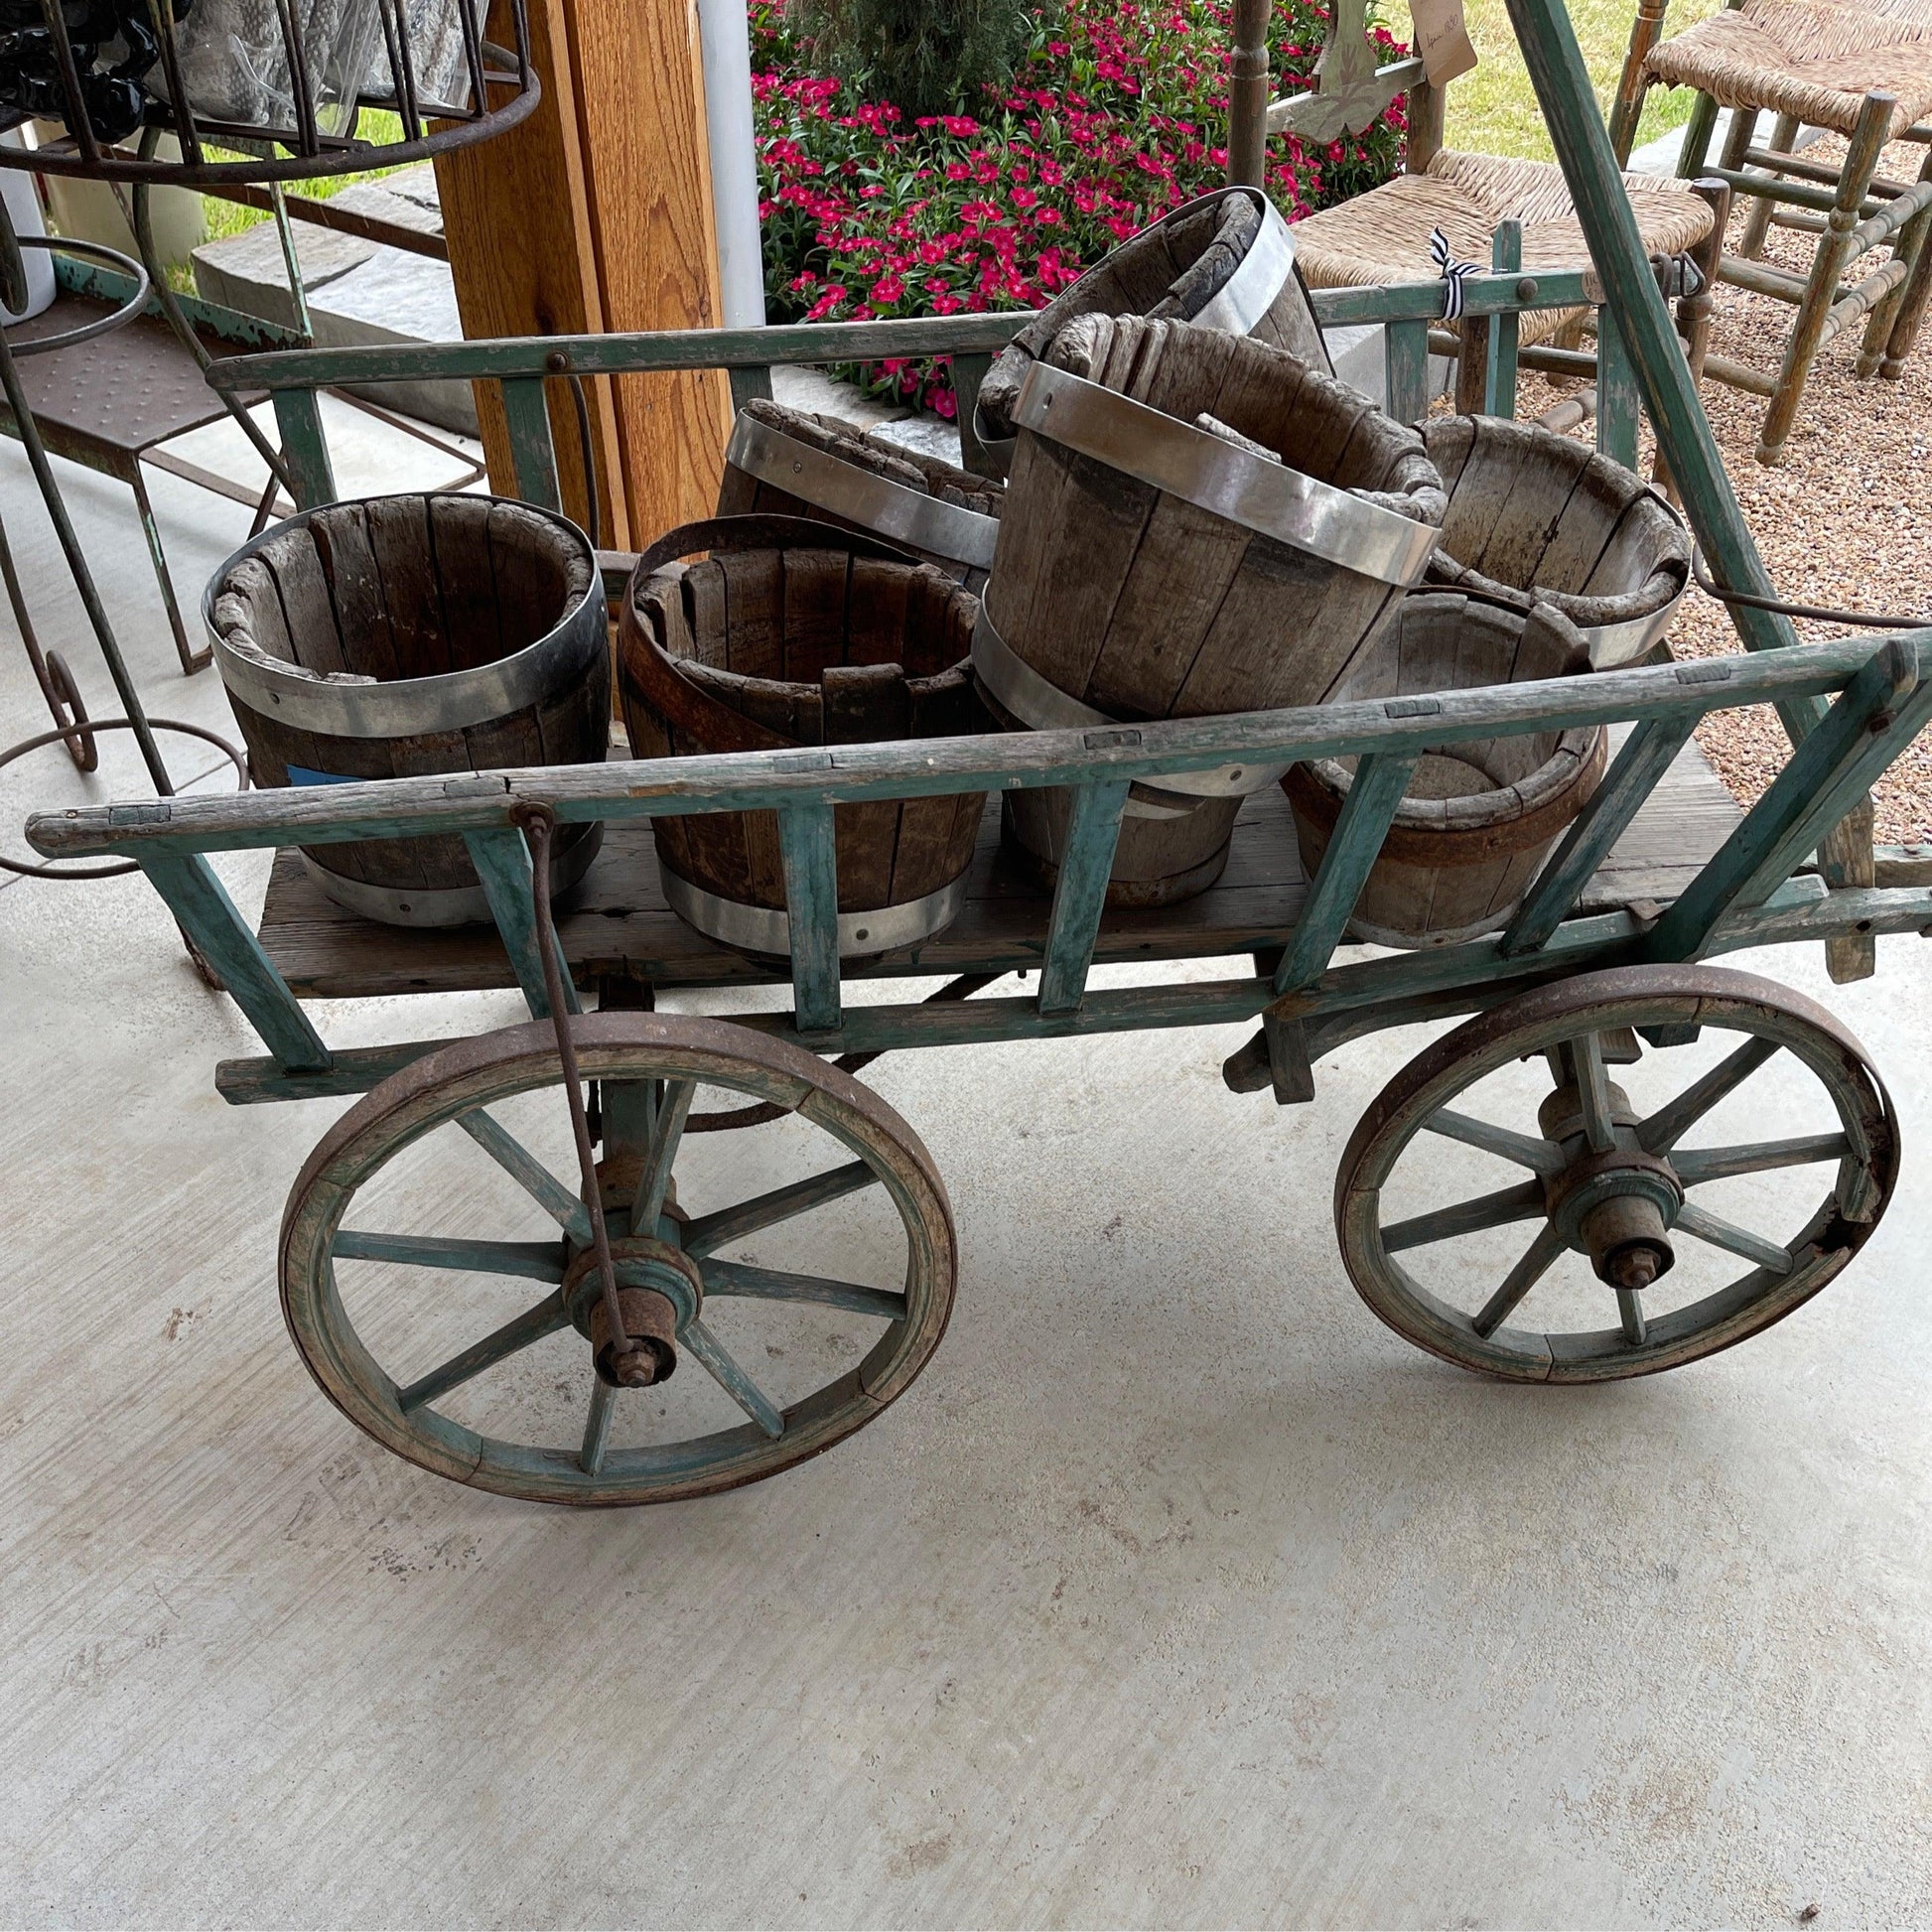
{"x":1442,"y":39}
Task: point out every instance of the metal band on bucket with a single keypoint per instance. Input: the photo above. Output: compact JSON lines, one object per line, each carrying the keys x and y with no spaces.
{"x":765,"y":930}
{"x":1046,"y":707}
{"x":1267,"y":497}
{"x":1259,"y":277}
{"x":875,"y":503}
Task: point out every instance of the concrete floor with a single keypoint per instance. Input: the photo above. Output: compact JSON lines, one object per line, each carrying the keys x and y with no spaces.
{"x":1177,"y":1590}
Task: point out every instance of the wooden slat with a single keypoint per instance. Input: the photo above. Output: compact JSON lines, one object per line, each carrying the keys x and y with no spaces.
{"x":1359,"y":831}
{"x":1080,"y":892}
{"x":503,"y":863}
{"x":208,"y":914}
{"x":1406,"y":348}
{"x":807,"y":840}
{"x":1499,"y":379}
{"x":305,"y":449}
{"x":533,"y":455}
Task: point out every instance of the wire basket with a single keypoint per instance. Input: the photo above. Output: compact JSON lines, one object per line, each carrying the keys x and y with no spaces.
{"x":256,"y":90}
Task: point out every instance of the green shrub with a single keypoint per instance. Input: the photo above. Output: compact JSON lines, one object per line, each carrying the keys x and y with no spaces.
{"x":925,"y":57}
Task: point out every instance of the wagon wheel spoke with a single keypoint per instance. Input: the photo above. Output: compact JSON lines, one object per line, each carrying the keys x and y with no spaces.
{"x":1525,"y":1150}
{"x":1629,"y":1314}
{"x":725,"y":1371}
{"x":558,"y":1201}
{"x":1535,"y":1263}
{"x":1585,"y":1057}
{"x":1466,"y":1217}
{"x":1669,"y":1124}
{"x":1724,"y":1234}
{"x":597,"y":1426}
{"x":1693,"y":1166}
{"x":773,"y":1285}
{"x":545,"y":1319}
{"x":667,"y":1129}
{"x":536,"y":1261}
{"x":710,"y":1232}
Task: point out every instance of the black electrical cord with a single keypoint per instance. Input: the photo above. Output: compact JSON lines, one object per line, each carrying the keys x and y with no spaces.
{"x":1814,"y":613}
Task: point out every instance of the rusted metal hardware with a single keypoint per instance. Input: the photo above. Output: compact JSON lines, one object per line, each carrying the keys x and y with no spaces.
{"x":635,"y":1363}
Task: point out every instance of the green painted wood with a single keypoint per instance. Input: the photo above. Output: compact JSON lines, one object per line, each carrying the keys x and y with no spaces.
{"x":1694,"y":151}
{"x":1080,"y":893}
{"x":808,"y":846}
{"x":1500,"y":377}
{"x":1540,"y":1157}
{"x":305,"y":447}
{"x":724,"y":1369}
{"x":1582,"y":149}
{"x":1647,"y":753}
{"x":1593,"y":1092}
{"x":1405,"y":346}
{"x":503,"y":862}
{"x":968,"y":372}
{"x":1695,"y":1165}
{"x":710,"y":1232}
{"x":752,"y":384}
{"x":1879,"y":713}
{"x":765,"y":780}
{"x":526,"y":414}
{"x":660,"y":1156}
{"x":558,"y":1201}
{"x":1366,"y":813}
{"x":1617,"y":396}
{"x":773,"y":1285}
{"x":1535,"y":1263}
{"x":597,"y":1426}
{"x":536,"y":1261}
{"x":1349,"y":1001}
{"x":1714,"y":1229}
{"x":1500,"y":1210}
{"x":529,"y":1327}
{"x":200,"y":903}
{"x":1659,"y":1133}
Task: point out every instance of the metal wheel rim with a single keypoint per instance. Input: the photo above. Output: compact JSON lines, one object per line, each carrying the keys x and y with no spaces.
{"x":1712,"y":997}
{"x":473,"y":1073}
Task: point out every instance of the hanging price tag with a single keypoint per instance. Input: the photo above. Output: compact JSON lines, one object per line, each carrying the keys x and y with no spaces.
{"x":1442,"y":40}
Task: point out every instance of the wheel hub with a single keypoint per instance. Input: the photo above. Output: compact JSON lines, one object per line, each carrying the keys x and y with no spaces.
{"x":1617,"y":1207}
{"x":659,"y":1289}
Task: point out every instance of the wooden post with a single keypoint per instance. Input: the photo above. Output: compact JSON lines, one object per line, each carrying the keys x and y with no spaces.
{"x":1248,"y":94}
{"x":592,"y":216}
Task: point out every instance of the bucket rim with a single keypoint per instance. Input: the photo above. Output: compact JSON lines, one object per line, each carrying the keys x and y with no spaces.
{"x":406,"y":707}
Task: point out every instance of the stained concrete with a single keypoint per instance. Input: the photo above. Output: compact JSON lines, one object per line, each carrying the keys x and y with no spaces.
{"x":1177,"y":1590}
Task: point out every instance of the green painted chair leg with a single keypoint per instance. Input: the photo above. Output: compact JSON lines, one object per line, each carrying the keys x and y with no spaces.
{"x":1903,"y":314}
{"x":1827,"y":262}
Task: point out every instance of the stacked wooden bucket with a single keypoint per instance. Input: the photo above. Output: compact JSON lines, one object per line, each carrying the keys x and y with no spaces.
{"x":1196,"y":517}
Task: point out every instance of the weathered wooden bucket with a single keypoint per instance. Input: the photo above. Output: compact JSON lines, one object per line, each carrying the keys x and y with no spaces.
{"x":1480,"y":817}
{"x":793,"y":632}
{"x":1169,"y":848}
{"x":785,"y":463}
{"x":399,"y":635}
{"x":1225,"y":260}
{"x":1534,"y":516}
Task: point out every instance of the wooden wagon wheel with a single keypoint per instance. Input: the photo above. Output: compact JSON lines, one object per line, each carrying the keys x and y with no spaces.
{"x":1603,"y":1180}
{"x":671,"y":1266}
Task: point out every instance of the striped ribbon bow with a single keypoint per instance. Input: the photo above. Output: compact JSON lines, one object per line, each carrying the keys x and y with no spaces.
{"x":1453,"y":272}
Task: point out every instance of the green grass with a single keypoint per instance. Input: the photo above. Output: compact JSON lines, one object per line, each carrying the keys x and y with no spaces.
{"x":225,"y":218}
{"x":1493,"y":110}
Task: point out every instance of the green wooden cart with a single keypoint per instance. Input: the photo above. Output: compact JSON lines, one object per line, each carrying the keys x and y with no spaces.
{"x":1599,"y":968}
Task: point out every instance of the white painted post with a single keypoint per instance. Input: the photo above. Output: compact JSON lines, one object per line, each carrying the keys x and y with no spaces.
{"x":727,"y":45}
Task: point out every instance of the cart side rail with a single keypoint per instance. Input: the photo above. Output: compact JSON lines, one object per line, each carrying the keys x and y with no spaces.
{"x":1878,"y":705}
{"x":521,"y":366}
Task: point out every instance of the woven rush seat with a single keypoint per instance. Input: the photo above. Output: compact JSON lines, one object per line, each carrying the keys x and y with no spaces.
{"x":1816,"y":63}
{"x":1381,"y":239}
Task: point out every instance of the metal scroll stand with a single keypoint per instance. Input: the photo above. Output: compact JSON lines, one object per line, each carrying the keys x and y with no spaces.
{"x":56,"y":682}
{"x":1633,"y":299}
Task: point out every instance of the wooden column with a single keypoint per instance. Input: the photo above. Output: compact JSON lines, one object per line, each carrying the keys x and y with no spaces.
{"x":595,"y":216}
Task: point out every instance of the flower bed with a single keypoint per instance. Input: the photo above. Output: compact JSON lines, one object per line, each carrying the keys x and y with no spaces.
{"x":1112,"y":119}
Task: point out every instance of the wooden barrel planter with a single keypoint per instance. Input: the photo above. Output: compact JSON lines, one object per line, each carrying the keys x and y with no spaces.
{"x":399,"y":635}
{"x":1537,"y":517}
{"x":793,"y":632}
{"x":1225,"y":260}
{"x":785,"y":463}
{"x":1149,"y":567}
{"x":1480,"y":817}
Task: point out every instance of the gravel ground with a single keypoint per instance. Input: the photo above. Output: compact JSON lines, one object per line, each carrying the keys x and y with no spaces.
{"x":1842,"y":522}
